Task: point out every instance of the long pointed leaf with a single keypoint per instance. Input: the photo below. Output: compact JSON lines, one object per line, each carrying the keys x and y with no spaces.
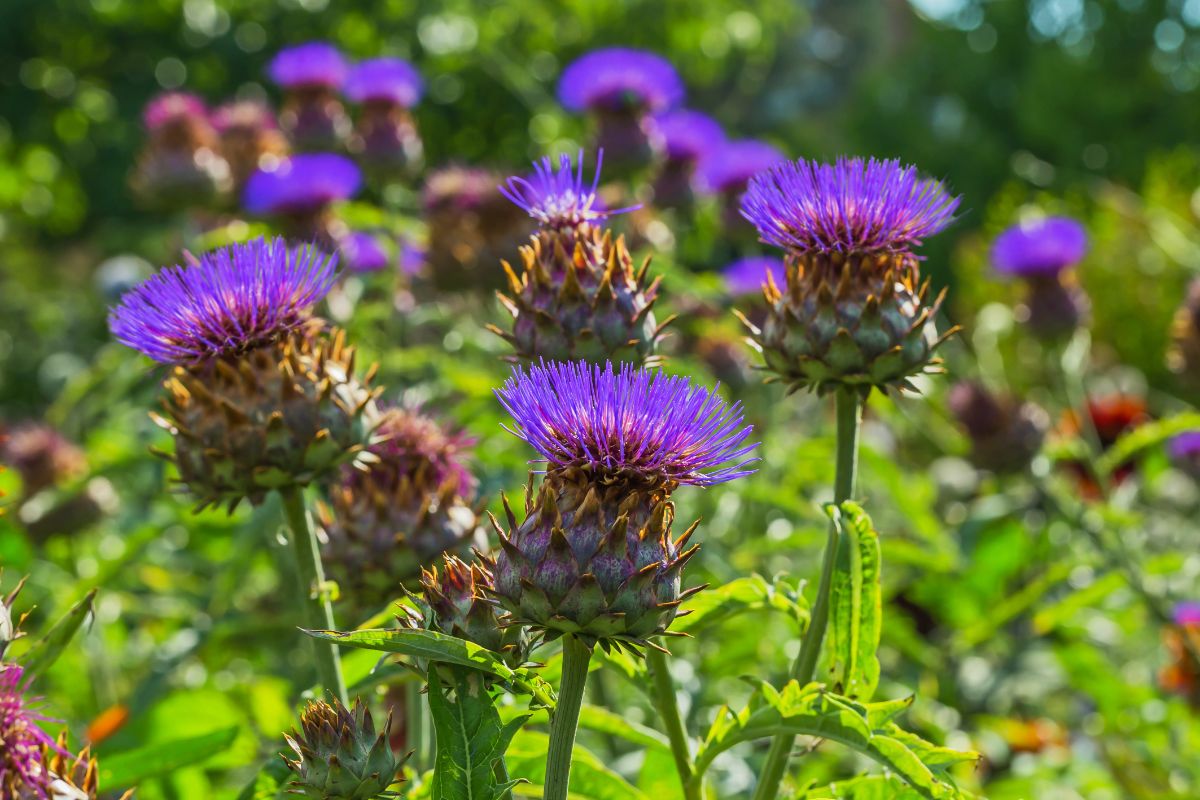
{"x":46,"y":650}
{"x":856,"y":607}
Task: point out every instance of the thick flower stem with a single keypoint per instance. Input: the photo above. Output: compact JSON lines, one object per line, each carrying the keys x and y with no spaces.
{"x":576,"y":657}
{"x":318,"y":611}
{"x":849,"y":416}
{"x":667,"y":704}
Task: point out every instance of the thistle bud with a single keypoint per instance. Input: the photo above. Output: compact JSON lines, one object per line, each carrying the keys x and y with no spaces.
{"x":1184,"y":356}
{"x":1005,"y":433}
{"x":621,"y":87}
{"x":311,"y":75}
{"x":386,"y":136}
{"x":180,"y":165}
{"x":260,"y":396}
{"x":1042,"y":252}
{"x":387,"y":520}
{"x":339,"y":755}
{"x":578,"y":295}
{"x":853,"y":312}
{"x":595,"y":555}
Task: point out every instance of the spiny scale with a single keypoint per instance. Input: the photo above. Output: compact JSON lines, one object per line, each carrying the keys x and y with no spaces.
{"x":849,"y":319}
{"x":579,"y":297}
{"x":281,"y":415}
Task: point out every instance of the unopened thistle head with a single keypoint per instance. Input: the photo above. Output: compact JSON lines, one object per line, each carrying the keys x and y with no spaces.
{"x":260,"y":395}
{"x":23,"y":745}
{"x":299,"y":191}
{"x":397,"y":514}
{"x":853,"y":312}
{"x":578,"y":295}
{"x":688,"y":137}
{"x":311,"y":75}
{"x":339,"y":754}
{"x":621,"y":87}
{"x":1005,"y":432}
{"x":1042,"y":252}
{"x":595,"y":556}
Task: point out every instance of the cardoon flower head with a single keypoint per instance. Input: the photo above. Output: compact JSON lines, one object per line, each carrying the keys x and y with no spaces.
{"x":384,"y":80}
{"x":727,"y":168}
{"x":340,"y":755}
{"x":749,"y":275}
{"x":304,"y":183}
{"x":578,"y":295}
{"x":170,"y":108}
{"x":261,"y":396}
{"x":313,"y":64}
{"x":232,"y":300}
{"x":1040,"y":247}
{"x":22,"y":743}
{"x":688,"y":137}
{"x":1005,"y":432}
{"x":179,"y":165}
{"x":364,"y":252}
{"x":560,"y":198}
{"x":853,"y":312}
{"x":616,"y":78}
{"x":594,"y":556}
{"x":250,"y":136}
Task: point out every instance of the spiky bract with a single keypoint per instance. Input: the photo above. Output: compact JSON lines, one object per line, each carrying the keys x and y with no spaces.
{"x":339,"y":755}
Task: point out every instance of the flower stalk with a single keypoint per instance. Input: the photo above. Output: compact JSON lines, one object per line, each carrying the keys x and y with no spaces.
{"x":667,"y":704}
{"x":577,"y":655}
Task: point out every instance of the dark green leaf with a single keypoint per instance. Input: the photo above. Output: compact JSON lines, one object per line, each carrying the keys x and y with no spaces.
{"x":127,"y":769}
{"x":46,"y":650}
{"x":471,"y":739}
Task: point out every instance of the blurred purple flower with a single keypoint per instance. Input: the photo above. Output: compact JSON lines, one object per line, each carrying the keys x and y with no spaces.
{"x":301,"y":184}
{"x":559,"y":198}
{"x":388,"y":80}
{"x":1185,"y":446}
{"x":1041,"y":247}
{"x":243,"y":114}
{"x":23,"y":745}
{"x":747,"y":275}
{"x":1187,"y":613}
{"x":689,"y":135}
{"x":730,"y":165}
{"x":853,"y":205}
{"x":310,"y":65}
{"x":413,"y":257}
{"x":620,"y":77}
{"x":363,"y":252}
{"x":171,"y":106}
{"x":230,"y":301}
{"x":633,"y":424}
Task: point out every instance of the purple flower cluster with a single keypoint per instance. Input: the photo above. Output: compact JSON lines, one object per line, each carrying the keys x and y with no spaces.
{"x":747,"y":275}
{"x":388,"y":80}
{"x":1042,"y":247}
{"x":632,"y":423}
{"x":852,"y":205}
{"x":616,"y":78}
{"x":230,"y":301}
{"x":302,"y":184}
{"x":559,"y":197}
{"x":730,"y":165}
{"x":689,"y":135}
{"x":22,"y":743}
{"x":309,"y":65}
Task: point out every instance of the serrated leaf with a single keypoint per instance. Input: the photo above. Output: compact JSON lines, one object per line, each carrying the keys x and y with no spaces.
{"x":740,"y":596}
{"x":46,"y":650}
{"x":442,"y":649}
{"x":471,"y":739}
{"x":1143,"y":437}
{"x":856,"y":606}
{"x":124,"y":770}
{"x":812,"y":711}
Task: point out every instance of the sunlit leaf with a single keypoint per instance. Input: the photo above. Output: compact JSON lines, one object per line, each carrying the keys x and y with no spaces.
{"x":855,"y":606}
{"x":127,"y":769}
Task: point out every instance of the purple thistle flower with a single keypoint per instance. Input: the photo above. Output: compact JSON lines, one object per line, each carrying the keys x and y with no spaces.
{"x":413,"y":257}
{"x":632,"y":423}
{"x":301,"y":184}
{"x":616,"y":78}
{"x":309,"y":65}
{"x":171,"y":106}
{"x":559,"y":198}
{"x":728,"y":167}
{"x":23,"y":744}
{"x":230,"y":301}
{"x":1185,"y":446}
{"x":388,"y":80}
{"x":689,"y":135}
{"x":363,"y":252}
{"x":747,"y":275}
{"x":1187,"y":613}
{"x":852,"y":205}
{"x":243,"y":114}
{"x":1040,"y":248}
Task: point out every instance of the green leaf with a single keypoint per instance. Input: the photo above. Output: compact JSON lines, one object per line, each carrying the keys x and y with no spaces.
{"x":604,"y":721}
{"x":591,"y":779}
{"x":813,"y":711}
{"x":270,"y":783}
{"x":864,"y":787}
{"x":127,"y":769}
{"x":443,"y":649}
{"x":471,"y":739}
{"x":855,"y":606}
{"x":740,"y":596}
{"x":1143,"y":437}
{"x":46,"y":650}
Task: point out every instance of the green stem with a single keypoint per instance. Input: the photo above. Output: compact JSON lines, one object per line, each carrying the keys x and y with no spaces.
{"x":849,"y":417}
{"x":667,"y":703}
{"x":500,"y":770}
{"x":418,"y":726}
{"x":318,"y":611}
{"x":565,"y":721}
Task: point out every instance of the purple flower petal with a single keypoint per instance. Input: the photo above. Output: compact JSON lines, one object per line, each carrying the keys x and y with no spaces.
{"x":615,"y":78}
{"x":747,"y":275}
{"x":303,"y":183}
{"x":170,"y":106}
{"x":314,"y":64}
{"x":1187,"y":613}
{"x":22,"y":743}
{"x":1044,"y":246}
{"x":689,"y":135}
{"x":363,"y":252}
{"x":1185,"y":446}
{"x":559,"y":197}
{"x":391,"y":80}
{"x":730,"y":165}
